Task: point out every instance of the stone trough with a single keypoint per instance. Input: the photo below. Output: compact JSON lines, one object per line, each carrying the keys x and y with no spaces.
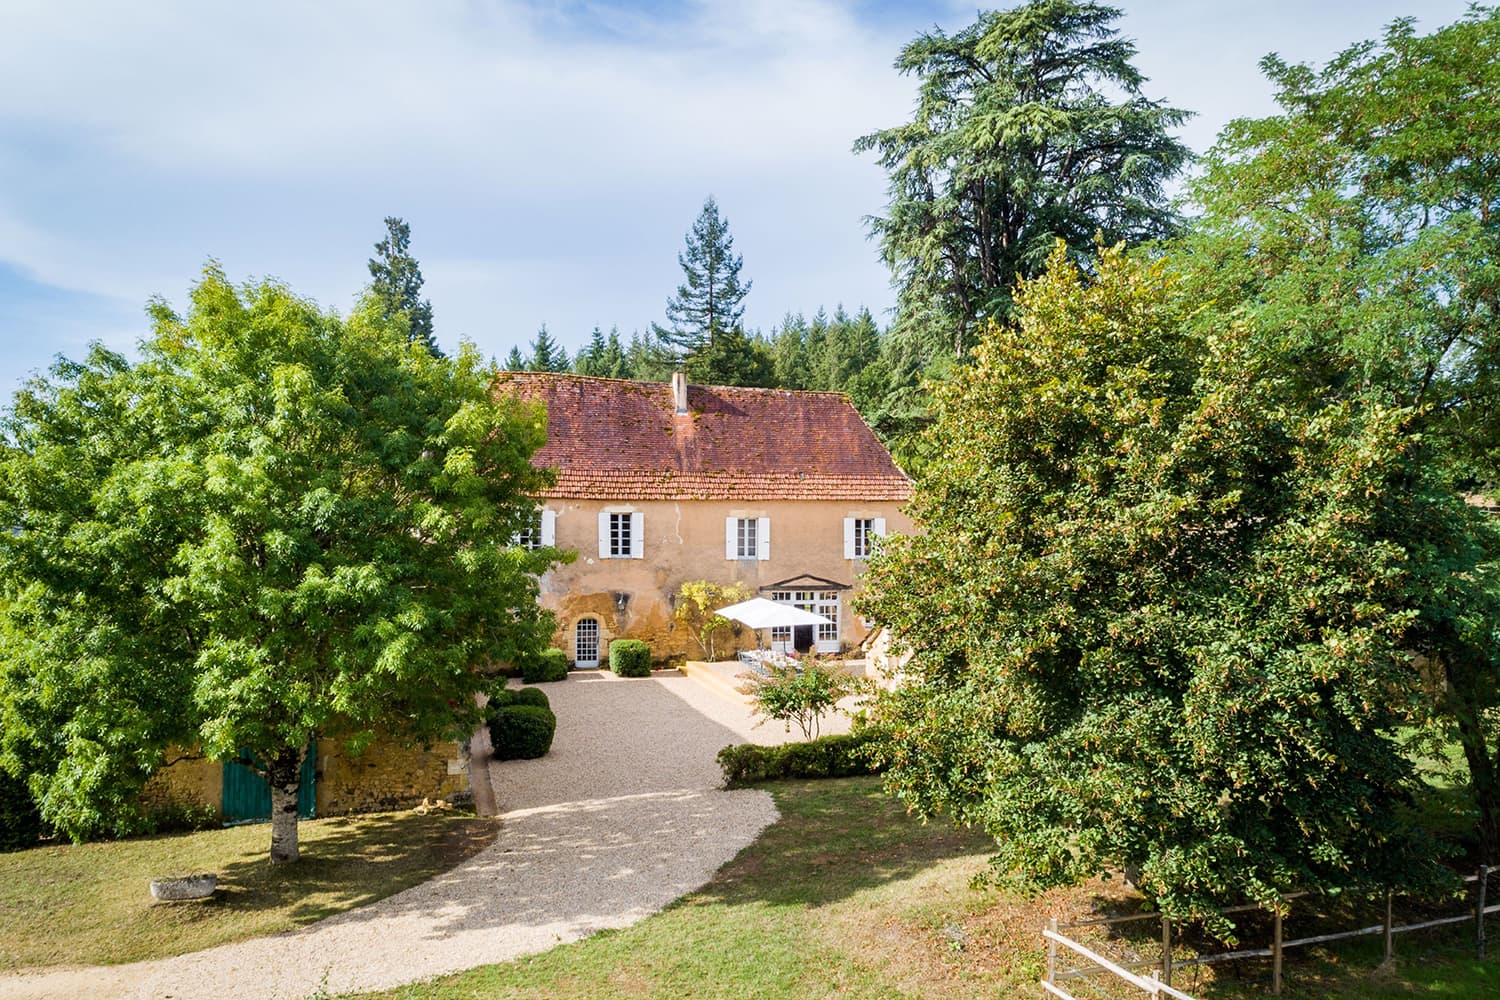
{"x":183,"y":888}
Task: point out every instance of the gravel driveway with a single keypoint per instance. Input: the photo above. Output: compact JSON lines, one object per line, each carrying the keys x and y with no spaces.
{"x":623,"y":816}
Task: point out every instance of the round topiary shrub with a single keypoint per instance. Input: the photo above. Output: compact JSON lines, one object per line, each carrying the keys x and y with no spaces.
{"x":630,"y":658}
{"x":522,"y":732}
{"x":548,"y":665}
{"x":502,"y":697}
{"x":530,"y":696}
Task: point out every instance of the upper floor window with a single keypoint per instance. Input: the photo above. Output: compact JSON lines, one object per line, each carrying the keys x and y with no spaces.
{"x":540,"y":532}
{"x":860,"y":534}
{"x":620,"y":535}
{"x":747,"y":538}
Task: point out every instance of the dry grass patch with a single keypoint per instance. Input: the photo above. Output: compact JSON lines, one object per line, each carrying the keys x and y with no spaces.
{"x":88,"y":904}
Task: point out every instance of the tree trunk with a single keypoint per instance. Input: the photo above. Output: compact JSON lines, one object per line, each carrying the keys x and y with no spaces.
{"x":284,"y":776}
{"x":1484,"y":784}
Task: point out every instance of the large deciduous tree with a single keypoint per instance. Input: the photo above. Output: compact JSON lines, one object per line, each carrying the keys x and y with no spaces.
{"x":1030,"y":127}
{"x":1160,"y":602}
{"x":709,"y":302}
{"x":1363,"y":223}
{"x":396,"y":283}
{"x":279,"y":525}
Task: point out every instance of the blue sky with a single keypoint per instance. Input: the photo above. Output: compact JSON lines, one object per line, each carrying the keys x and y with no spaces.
{"x":549,"y":156}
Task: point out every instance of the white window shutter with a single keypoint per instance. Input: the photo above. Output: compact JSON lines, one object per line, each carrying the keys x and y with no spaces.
{"x":549,"y":527}
{"x":603,"y":535}
{"x":763,"y":537}
{"x":637,"y":535}
{"x":848,"y":538}
{"x":880,"y":527}
{"x":731,"y":538}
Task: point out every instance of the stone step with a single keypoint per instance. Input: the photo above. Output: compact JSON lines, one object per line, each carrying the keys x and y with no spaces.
{"x":706,"y":675}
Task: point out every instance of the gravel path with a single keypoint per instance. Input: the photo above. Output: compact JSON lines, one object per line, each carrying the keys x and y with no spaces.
{"x":623,"y":816}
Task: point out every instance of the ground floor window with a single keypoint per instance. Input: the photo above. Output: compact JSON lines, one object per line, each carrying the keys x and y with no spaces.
{"x":825,"y":638}
{"x":586,"y":643}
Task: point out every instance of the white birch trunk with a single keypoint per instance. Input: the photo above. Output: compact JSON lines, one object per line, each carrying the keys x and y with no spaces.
{"x":284,"y":778}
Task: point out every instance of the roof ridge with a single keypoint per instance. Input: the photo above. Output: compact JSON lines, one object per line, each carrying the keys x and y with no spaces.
{"x":667,"y":385}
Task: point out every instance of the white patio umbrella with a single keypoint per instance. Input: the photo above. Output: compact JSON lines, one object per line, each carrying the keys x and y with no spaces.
{"x":760,"y":613}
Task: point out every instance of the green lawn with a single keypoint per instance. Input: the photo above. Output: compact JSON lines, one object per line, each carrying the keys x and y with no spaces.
{"x":89,"y":905}
{"x":847,"y":897}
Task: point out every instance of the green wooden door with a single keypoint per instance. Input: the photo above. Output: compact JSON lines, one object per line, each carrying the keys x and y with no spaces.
{"x":247,"y":797}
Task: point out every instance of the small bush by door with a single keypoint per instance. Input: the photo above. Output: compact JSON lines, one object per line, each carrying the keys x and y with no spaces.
{"x":630,"y":658}
{"x":548,"y":665}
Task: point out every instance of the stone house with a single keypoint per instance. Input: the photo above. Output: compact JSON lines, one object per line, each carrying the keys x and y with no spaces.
{"x":657,"y":484}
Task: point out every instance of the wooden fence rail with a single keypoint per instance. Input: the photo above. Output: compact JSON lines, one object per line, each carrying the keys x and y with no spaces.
{"x":1160,"y":982}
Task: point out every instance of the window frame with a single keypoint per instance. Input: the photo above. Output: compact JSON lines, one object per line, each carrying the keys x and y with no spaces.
{"x":620,"y":535}
{"x":747,"y":538}
{"x":860,"y":534}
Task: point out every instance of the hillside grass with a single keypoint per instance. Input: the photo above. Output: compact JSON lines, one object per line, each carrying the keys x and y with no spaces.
{"x":847,"y":896}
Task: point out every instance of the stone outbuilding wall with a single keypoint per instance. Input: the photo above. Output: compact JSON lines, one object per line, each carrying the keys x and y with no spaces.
{"x":385,"y":776}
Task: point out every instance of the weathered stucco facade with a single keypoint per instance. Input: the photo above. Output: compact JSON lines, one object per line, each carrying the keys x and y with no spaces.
{"x":686,"y":540}
{"x":657,"y":485}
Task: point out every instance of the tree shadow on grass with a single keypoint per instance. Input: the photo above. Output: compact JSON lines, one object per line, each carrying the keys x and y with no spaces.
{"x":349,"y":862}
{"x":835,"y":838}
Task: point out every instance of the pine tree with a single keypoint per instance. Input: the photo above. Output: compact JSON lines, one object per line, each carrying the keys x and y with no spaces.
{"x":397,"y":284}
{"x":1030,"y":127}
{"x":547,"y":355}
{"x":513,"y":361}
{"x":849,"y":347}
{"x":789,"y":352}
{"x":709,"y":302}
{"x":588,"y":360}
{"x":647,"y":358}
{"x":732,"y":358}
{"x":612,"y":362}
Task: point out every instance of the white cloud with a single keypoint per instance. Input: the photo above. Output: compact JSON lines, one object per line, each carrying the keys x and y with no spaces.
{"x":237,"y":130}
{"x":453,"y":88}
{"x":549,"y":154}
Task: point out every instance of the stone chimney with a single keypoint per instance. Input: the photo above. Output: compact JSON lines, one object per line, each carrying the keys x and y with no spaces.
{"x":679,"y":390}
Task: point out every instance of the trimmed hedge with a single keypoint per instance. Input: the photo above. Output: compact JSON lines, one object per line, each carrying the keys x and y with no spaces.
{"x":521,"y":732}
{"x":520,"y":696}
{"x":547,"y":666}
{"x":825,"y":757}
{"x":630,"y":658}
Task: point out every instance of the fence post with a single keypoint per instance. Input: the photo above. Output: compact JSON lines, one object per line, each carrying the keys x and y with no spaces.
{"x":1052,"y":953}
{"x":1166,"y":949}
{"x":1388,"y":949}
{"x":1484,"y":878}
{"x":1276,"y":952}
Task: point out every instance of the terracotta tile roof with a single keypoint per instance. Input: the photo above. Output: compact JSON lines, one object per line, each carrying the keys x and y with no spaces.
{"x":618,"y":440}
